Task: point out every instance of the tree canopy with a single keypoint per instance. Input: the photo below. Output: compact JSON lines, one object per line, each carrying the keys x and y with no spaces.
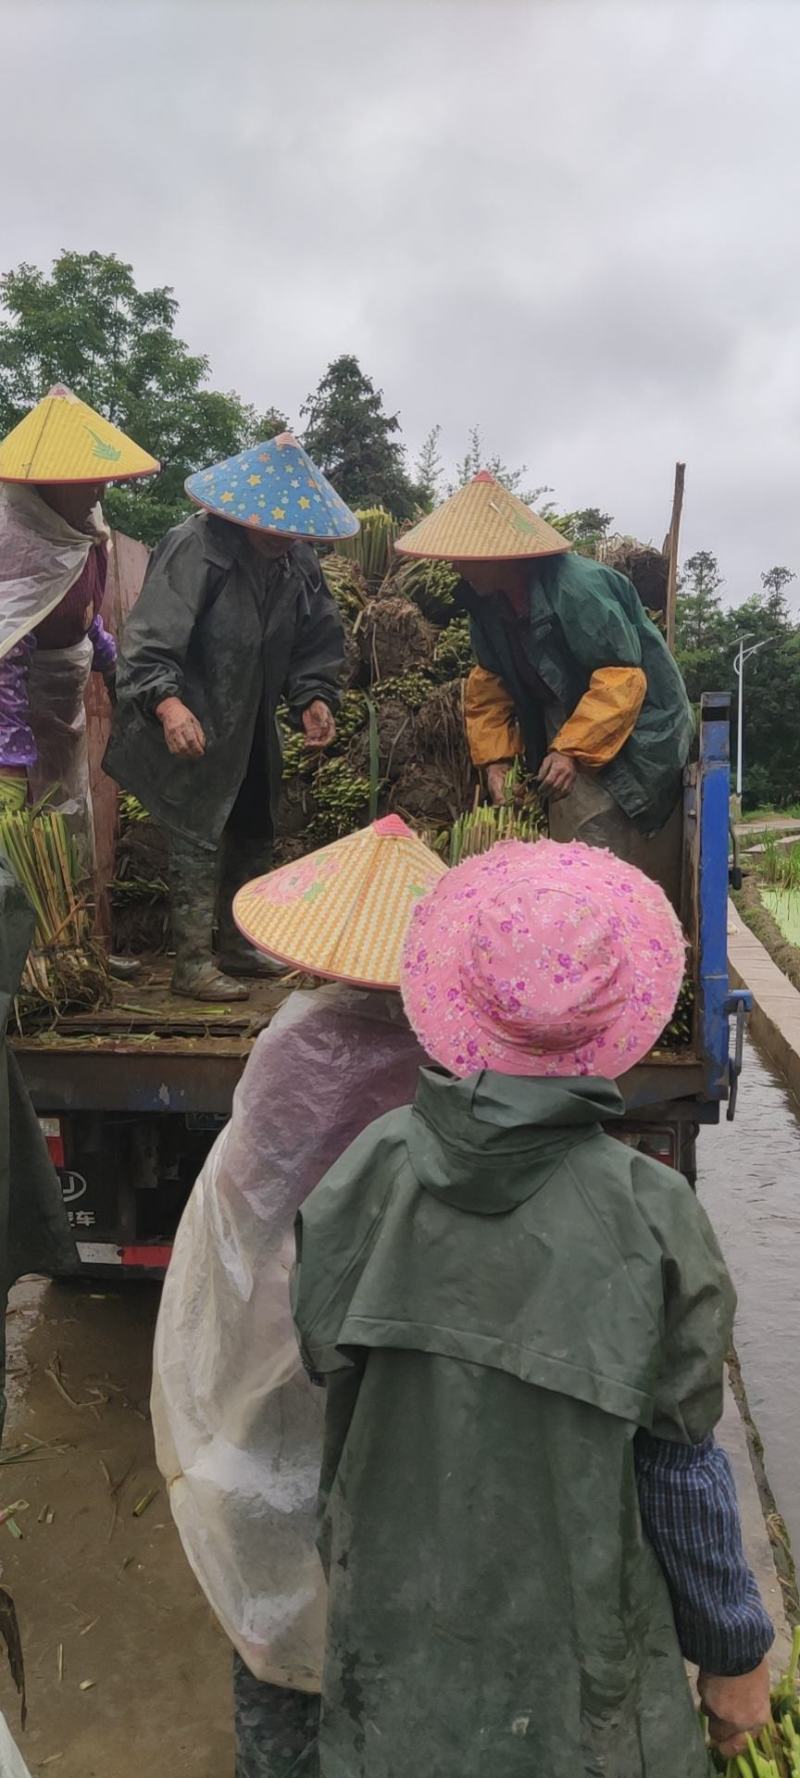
{"x":354,"y":441}
{"x":89,"y":326}
{"x":706,"y":637}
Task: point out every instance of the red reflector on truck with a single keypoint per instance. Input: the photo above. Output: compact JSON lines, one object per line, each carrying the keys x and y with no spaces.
{"x":157,"y":1258}
{"x":51,"y":1131}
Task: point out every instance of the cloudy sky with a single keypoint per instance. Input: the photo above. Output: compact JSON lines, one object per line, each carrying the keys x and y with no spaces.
{"x":574,"y":222}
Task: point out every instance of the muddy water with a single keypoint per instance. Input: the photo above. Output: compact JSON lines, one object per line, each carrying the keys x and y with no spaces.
{"x":749,"y":1182}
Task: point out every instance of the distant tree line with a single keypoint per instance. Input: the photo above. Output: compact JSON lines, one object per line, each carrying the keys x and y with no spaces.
{"x":705,"y":644}
{"x":87,"y":324}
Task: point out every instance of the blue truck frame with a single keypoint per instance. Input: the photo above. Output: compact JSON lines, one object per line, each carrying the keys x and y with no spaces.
{"x":127,"y":1123}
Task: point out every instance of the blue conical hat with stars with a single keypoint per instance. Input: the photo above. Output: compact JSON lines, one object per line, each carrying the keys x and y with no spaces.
{"x":274,"y":487}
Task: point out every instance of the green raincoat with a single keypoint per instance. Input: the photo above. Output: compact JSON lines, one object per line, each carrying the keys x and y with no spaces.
{"x":498,"y":1295}
{"x":34,"y":1232}
{"x":583,"y":616}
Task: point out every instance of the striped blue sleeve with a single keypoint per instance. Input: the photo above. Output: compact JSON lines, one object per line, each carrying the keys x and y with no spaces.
{"x":687,"y":1499}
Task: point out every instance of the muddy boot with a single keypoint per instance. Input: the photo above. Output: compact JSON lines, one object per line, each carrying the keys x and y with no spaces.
{"x":123,"y":969}
{"x":193,"y":882}
{"x":276,"y":1729}
{"x":241,"y":862}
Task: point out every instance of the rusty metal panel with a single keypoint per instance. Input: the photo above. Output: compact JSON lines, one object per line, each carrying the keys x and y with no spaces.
{"x":67,"y":1080}
{"x":125,"y":575}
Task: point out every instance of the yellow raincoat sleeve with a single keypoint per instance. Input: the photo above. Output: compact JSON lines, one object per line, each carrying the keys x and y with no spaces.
{"x":492,"y":729}
{"x":605,"y":717}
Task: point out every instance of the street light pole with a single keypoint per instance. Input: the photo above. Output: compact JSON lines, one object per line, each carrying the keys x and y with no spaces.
{"x":743,"y":654}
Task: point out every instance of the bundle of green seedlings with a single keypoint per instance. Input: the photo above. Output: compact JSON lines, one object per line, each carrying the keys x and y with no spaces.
{"x":65,"y":970}
{"x":373,"y":546}
{"x":518,"y":817}
{"x":776,"y":1751}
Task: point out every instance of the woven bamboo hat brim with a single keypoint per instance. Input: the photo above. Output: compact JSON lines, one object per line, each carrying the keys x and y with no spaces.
{"x":483,"y":522}
{"x":275,"y":487}
{"x":343,"y":912}
{"x":64,"y":440}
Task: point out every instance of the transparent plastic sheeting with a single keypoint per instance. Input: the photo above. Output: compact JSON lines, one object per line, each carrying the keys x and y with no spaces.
{"x":238,"y":1427}
{"x":12,"y":1764}
{"x":41,"y":557}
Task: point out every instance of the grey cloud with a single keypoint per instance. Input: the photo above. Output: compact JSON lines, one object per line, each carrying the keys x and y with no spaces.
{"x":572,"y":223}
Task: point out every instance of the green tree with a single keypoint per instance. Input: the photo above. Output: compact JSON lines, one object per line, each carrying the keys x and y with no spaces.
{"x":771,"y":693}
{"x":699,"y":608}
{"x":352,"y":438}
{"x":89,"y":326}
{"x":773,"y":593}
{"x":586,"y":528}
{"x":706,"y":640}
{"x":428,"y":468}
{"x":476,"y":458}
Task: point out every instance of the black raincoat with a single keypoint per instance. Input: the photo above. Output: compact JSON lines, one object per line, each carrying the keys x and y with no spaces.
{"x":231,"y":634}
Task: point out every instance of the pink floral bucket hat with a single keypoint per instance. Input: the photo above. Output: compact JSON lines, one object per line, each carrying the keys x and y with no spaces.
{"x":542,"y":959}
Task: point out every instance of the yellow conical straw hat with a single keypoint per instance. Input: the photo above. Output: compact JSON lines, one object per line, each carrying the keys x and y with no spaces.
{"x":343,"y":912}
{"x":482,"y":522}
{"x":63,"y":440}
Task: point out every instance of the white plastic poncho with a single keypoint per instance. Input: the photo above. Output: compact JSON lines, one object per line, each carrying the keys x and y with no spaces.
{"x":41,"y":557}
{"x":238,"y":1426}
{"x":12,"y":1764}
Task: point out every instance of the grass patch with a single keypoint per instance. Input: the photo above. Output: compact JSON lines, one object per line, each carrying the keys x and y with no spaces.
{"x":768,"y":812}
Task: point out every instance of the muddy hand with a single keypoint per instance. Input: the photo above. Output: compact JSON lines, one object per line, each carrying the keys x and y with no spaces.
{"x":557,"y":776}
{"x":319,"y":727}
{"x":735,"y":1707}
{"x":496,"y":776}
{"x":182,"y":731}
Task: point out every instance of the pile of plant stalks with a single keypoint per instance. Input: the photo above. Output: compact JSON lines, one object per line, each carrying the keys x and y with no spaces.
{"x":401,"y":742}
{"x":65,"y":970}
{"x":643,"y":564}
{"x":139,"y":893}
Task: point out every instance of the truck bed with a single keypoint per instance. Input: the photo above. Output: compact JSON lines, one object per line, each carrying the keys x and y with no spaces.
{"x":179,"y":1055}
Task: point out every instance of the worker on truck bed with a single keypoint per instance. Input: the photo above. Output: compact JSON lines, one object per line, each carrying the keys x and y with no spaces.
{"x":234,"y":615}
{"x":571,"y":672}
{"x":237,"y":1424}
{"x":54,"y":546}
{"x":521,"y":1325}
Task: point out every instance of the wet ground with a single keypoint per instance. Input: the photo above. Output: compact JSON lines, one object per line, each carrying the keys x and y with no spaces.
{"x":749,"y":1182}
{"x":127,"y":1672}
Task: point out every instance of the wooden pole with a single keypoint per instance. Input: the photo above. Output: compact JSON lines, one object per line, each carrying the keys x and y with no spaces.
{"x":671,"y":546}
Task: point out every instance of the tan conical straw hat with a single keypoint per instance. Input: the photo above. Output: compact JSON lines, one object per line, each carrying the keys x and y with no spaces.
{"x":343,"y":912}
{"x":482,"y":522}
{"x":64,"y":440}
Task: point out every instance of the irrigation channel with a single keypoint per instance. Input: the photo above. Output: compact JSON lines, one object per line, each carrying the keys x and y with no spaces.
{"x":749,"y":1182}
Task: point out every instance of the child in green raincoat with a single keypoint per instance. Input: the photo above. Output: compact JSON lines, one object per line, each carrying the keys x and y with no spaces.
{"x":521,"y":1324}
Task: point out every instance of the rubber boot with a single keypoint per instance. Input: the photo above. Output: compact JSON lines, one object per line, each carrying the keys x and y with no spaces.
{"x":276,"y":1729}
{"x":123,"y":969}
{"x":241,"y":861}
{"x":193,"y":883}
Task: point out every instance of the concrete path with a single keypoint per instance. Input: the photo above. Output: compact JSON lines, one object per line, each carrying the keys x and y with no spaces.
{"x":733,"y":1438}
{"x":775,"y":1020}
{"x":770,"y":824}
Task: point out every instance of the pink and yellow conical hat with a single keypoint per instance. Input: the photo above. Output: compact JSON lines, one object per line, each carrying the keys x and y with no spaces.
{"x":483,"y":522}
{"x":343,"y":912}
{"x":64,"y":440}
